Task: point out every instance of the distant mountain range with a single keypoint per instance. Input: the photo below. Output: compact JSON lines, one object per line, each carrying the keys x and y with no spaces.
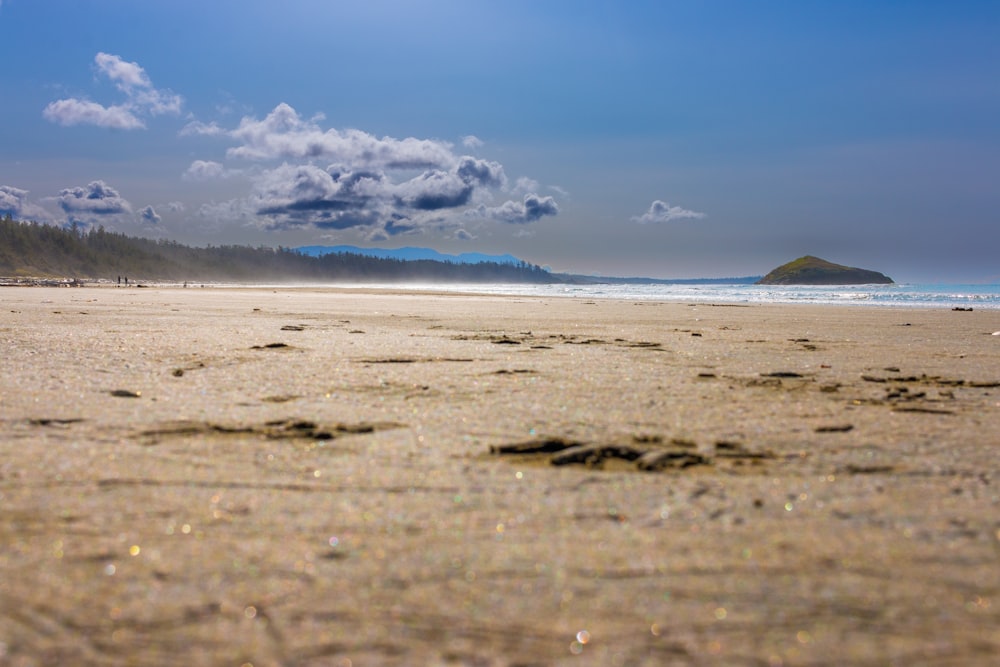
{"x":412,"y":253}
{"x":408,"y":254}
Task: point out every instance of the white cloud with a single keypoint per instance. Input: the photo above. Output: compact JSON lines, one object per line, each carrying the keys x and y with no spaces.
{"x":382,"y":186}
{"x":198,"y":128}
{"x":141,"y":98}
{"x":339,"y":197}
{"x":149,"y":215}
{"x":95,"y":200}
{"x":83,"y":112}
{"x":524,"y":185}
{"x":126,"y":76}
{"x":660,"y":211}
{"x":14,"y":202}
{"x":207,"y":170}
{"x":283,"y":134}
{"x":472,"y":141}
{"x":232,"y":210}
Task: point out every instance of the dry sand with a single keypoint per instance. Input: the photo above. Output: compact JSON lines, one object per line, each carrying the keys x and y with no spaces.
{"x":305,"y":477}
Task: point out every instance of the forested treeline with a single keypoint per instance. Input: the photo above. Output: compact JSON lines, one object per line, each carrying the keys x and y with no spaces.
{"x":30,"y":249}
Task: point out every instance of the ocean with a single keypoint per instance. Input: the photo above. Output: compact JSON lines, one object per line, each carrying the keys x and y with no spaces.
{"x":896,"y":295}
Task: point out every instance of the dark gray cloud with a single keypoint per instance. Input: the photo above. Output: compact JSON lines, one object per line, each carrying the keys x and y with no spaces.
{"x":292,"y":196}
{"x":481,"y":172}
{"x":96,"y":199}
{"x":341,"y":197}
{"x":434,"y":190}
{"x":531,"y":208}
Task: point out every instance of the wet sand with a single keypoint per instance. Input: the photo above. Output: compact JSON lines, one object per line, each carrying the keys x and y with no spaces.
{"x":337,"y":477}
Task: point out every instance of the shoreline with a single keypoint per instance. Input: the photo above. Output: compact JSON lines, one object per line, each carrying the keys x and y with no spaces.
{"x":299,"y":476}
{"x":903,"y":296}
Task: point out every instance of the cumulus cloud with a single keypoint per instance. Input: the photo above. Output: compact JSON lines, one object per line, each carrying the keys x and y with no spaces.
{"x":14,"y":202}
{"x":472,"y":141}
{"x":229,"y":210}
{"x":198,"y":128}
{"x":531,"y":208}
{"x":83,"y":112}
{"x":205,"y":170}
{"x":661,"y":211}
{"x":149,"y":215}
{"x":525,"y":185}
{"x":141,"y":99}
{"x":340,"y":197}
{"x":295,"y":195}
{"x":283,"y":134}
{"x":434,"y":190}
{"x":95,"y":200}
{"x":383,"y":186}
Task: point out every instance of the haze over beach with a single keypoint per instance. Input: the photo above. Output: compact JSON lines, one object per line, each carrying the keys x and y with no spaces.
{"x":661,"y":139}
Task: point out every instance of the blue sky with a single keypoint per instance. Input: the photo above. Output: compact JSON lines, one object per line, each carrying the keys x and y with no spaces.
{"x":668,"y":139}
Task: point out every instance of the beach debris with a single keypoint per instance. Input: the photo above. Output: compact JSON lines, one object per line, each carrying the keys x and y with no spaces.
{"x":293,"y":327}
{"x":647,"y":453}
{"x":283,"y":398}
{"x":538,"y":446}
{"x":594,"y":454}
{"x":670,"y":458}
{"x":55,"y":421}
{"x":277,"y":429}
{"x":272,"y":346}
{"x":642,"y":344}
{"x":853,"y":469}
{"x":506,"y":341}
{"x":834,"y":428}
{"x":125,"y":393}
{"x":735,"y":450}
{"x":962,"y":310}
{"x":918,"y":408}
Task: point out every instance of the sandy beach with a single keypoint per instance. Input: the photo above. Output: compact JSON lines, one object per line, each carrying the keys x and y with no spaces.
{"x":354,"y":477}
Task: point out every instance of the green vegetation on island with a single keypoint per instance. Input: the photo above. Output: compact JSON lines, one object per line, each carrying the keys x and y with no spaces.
{"x":33,"y":250}
{"x":811,"y":270}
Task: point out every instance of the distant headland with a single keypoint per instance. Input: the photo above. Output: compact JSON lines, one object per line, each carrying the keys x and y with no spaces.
{"x":811,"y":270}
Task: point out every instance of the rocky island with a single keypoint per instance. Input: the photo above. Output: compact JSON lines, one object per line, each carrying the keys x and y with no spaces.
{"x":811,"y":270}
